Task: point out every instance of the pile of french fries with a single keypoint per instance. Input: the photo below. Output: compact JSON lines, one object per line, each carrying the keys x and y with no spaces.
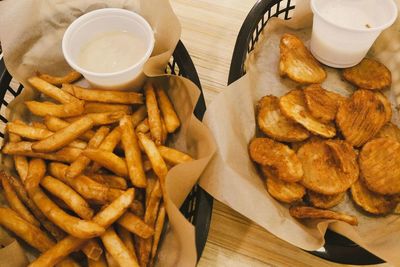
{"x":91,"y":174}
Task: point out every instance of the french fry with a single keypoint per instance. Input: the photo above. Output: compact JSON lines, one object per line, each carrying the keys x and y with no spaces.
{"x":28,"y":232}
{"x":153,"y":113}
{"x":96,"y":107}
{"x":164,"y":135}
{"x":143,"y":126}
{"x":170,"y":117}
{"x":45,"y":86}
{"x":105,"y":218}
{"x":70,"y":224}
{"x":55,"y":124}
{"x":23,"y":195}
{"x":137,"y":208}
{"x":78,"y":166}
{"x":38,"y":124}
{"x":72,"y":199}
{"x":133,"y":155}
{"x":135,"y":225}
{"x":70,"y":77}
{"x":104,"y":96}
{"x":29,"y":132}
{"x":157,"y":232}
{"x":111,"y":262}
{"x":78,"y":144}
{"x":112,"y":181}
{"x":63,"y":137}
{"x":99,"y":263}
{"x":109,"y":144}
{"x":117,"y":249}
{"x":49,"y":109}
{"x":139,"y":115}
{"x":108,"y":160}
{"x":173,"y":156}
{"x":36,"y":171}
{"x":127,"y":238}
{"x":20,"y":162}
{"x":16,"y":204}
{"x":100,"y":118}
{"x":92,"y":249}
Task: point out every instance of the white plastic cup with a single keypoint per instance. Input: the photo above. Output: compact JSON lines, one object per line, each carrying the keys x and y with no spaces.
{"x":93,"y":24}
{"x":344,"y":30}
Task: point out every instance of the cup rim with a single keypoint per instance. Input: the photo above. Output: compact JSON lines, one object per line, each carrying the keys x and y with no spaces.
{"x":95,"y":13}
{"x":380,"y":28}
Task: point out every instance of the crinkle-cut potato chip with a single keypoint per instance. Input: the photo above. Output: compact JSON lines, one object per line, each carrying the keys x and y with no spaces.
{"x":324,"y":201}
{"x":380,"y":166}
{"x":321,"y":103}
{"x":293,"y":106}
{"x":279,"y":157}
{"x":361,"y":117}
{"x":275,"y":125}
{"x":369,"y":201}
{"x":303,"y":212}
{"x":330,"y":166}
{"x":386,"y":104}
{"x":281,"y":190}
{"x":389,"y":130}
{"x":369,"y":74}
{"x":297,"y":62}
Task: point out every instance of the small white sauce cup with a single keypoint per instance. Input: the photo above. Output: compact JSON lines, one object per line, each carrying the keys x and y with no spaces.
{"x":341,"y":46}
{"x":94,"y":23}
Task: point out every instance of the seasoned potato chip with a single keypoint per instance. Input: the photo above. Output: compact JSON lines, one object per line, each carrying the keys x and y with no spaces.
{"x":324,"y":201}
{"x":275,"y":125}
{"x":389,"y":130}
{"x":369,"y":74}
{"x":282,"y":160}
{"x":302,"y":212}
{"x":293,"y":106}
{"x":380,"y":166}
{"x":370,"y":201}
{"x":330,"y":166}
{"x":322,"y":104}
{"x":361,"y":117}
{"x":281,"y":190}
{"x":297,"y":63}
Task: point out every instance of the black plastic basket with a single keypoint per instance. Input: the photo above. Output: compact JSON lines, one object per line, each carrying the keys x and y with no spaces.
{"x":337,"y":248}
{"x":197,"y":207}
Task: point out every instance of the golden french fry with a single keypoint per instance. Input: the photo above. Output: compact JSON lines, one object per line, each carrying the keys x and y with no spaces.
{"x":96,"y":107}
{"x":143,"y":126}
{"x":108,"y":160}
{"x":72,"y":199}
{"x":28,"y":232}
{"x":117,"y":249}
{"x":112,"y":181}
{"x":134,"y":224}
{"x":64,"y":136}
{"x":93,"y":250}
{"x":173,"y":156}
{"x":111,"y":262}
{"x":45,"y":86}
{"x":171,"y":119}
{"x":16,"y":204}
{"x":137,"y":208}
{"x":70,"y":77}
{"x":105,"y":218}
{"x":151,"y":183}
{"x":100,"y":118}
{"x":127,"y":238}
{"x":153,"y":113}
{"x":133,"y":155}
{"x":144,"y":250}
{"x":152,"y":205}
{"x":164,"y":135}
{"x":20,"y":162}
{"x":104,"y":96}
{"x":39,"y":125}
{"x":29,"y":132}
{"x":70,"y":224}
{"x":78,"y":144}
{"x":78,"y":166}
{"x":101,"y":262}
{"x":157,"y":232}
{"x":36,"y":171}
{"x":49,"y":109}
{"x":139,"y":115}
{"x":55,"y":124}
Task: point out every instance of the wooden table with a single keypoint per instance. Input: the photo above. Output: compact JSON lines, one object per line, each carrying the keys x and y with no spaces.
{"x":209,"y":31}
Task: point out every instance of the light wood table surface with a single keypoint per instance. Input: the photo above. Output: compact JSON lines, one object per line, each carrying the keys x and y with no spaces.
{"x":209,"y":31}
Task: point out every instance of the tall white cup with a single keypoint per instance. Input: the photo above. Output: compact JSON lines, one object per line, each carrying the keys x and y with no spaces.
{"x":344,"y":30}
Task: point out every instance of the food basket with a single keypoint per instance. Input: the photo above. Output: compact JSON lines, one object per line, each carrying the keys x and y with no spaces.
{"x":336,"y":248}
{"x":197,"y":207}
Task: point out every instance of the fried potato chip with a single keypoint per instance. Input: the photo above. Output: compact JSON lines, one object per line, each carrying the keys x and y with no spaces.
{"x":369,"y":74}
{"x":324,"y":201}
{"x":389,"y":130}
{"x":297,"y":63}
{"x":281,"y":190}
{"x":380,"y":166}
{"x":275,"y":125}
{"x":386,"y":104}
{"x":279,"y":157}
{"x":369,"y":201}
{"x":293,"y":106}
{"x":361,"y":117}
{"x":330,"y":166}
{"x":302,"y":212}
{"x":321,"y":103}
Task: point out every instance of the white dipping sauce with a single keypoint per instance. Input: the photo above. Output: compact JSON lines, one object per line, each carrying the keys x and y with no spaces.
{"x":111,"y":52}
